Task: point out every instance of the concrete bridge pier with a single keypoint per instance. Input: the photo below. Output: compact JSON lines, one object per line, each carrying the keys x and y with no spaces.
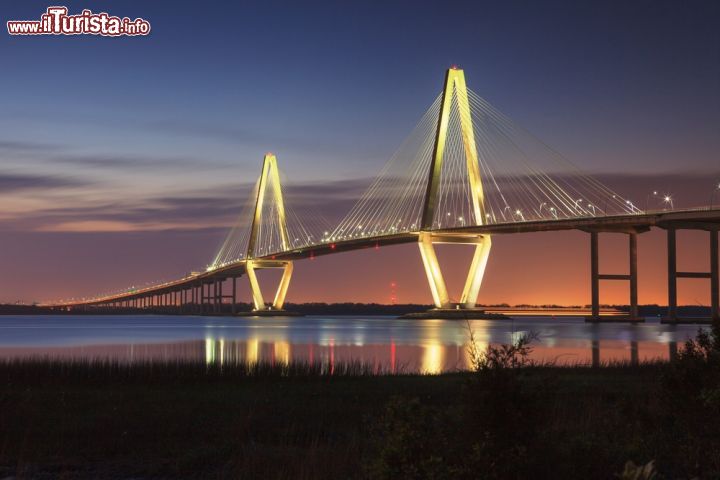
{"x":596,"y":277}
{"x":714,"y":275}
{"x":234,"y":295}
{"x":673,"y":274}
{"x":198,"y":298}
{"x":217,"y":293}
{"x":251,"y":266}
{"x":438,"y":288}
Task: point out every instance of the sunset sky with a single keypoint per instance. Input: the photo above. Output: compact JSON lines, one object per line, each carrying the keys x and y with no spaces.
{"x":125,"y":160}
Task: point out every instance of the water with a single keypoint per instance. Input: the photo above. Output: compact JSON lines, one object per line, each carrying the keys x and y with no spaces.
{"x":396,"y":345}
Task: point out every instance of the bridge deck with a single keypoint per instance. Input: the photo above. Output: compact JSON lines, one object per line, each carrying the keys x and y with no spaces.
{"x":702,"y":219}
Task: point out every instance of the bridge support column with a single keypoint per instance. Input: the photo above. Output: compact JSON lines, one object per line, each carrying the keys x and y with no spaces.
{"x":672,"y":274}
{"x":259,"y":302}
{"x":596,"y":276}
{"x":634,"y":312}
{"x":215,"y":296}
{"x":198,"y":295}
{"x":234,"y":295}
{"x":714,"y":276}
{"x":208,"y":299}
{"x":438,"y":288}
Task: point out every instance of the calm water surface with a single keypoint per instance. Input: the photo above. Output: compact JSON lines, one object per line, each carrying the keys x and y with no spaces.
{"x":408,"y":345}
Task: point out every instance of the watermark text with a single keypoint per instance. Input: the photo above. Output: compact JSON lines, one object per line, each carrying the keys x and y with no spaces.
{"x":56,"y":21}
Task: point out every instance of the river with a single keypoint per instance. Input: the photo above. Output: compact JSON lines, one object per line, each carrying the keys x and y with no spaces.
{"x":430,"y":346}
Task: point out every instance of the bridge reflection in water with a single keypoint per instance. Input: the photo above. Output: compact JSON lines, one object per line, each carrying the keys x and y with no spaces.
{"x":430,"y":357}
{"x":390,"y":345}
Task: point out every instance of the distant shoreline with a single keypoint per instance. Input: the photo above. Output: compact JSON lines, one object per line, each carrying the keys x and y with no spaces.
{"x":346,"y":309}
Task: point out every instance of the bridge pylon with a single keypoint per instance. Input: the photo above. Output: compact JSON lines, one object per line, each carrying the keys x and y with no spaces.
{"x":455,"y":89}
{"x":270,"y":177}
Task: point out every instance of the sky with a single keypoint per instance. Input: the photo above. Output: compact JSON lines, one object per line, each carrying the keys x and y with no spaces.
{"x":126,"y":160}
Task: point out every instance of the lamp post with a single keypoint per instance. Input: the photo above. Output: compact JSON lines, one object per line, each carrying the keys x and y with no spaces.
{"x":507,"y":207}
{"x":712,"y":196}
{"x":647,"y":199}
{"x":668,"y":200}
{"x":605,"y":205}
{"x":632,"y":207}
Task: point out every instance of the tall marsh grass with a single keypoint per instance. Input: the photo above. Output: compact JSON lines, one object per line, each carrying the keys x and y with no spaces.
{"x":103,"y":369}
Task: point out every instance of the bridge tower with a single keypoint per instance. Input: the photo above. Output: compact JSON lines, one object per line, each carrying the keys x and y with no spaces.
{"x":455,"y":88}
{"x":269,"y":177}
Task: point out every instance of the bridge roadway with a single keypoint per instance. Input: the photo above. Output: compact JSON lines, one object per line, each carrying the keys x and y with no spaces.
{"x":692,"y":219}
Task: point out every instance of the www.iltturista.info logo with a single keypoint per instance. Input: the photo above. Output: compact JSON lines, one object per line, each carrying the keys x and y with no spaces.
{"x":56,"y":21}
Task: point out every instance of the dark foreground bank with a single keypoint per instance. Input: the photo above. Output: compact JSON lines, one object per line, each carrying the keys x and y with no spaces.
{"x":169,"y":420}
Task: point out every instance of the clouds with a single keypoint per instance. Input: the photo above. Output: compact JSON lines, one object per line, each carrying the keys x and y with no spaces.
{"x":207,"y":208}
{"x":10,"y":183}
{"x":56,"y":155}
{"x":24,"y":147}
{"x":122,"y":192}
{"x":126,"y":162}
{"x":219,"y":206}
{"x":196,"y":211}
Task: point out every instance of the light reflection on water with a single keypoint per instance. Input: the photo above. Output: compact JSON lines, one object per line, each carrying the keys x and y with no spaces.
{"x":388,"y":343}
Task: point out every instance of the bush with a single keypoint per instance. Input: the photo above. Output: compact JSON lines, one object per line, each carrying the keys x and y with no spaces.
{"x":490,"y":435}
{"x":414,"y":442}
{"x":691,"y":402}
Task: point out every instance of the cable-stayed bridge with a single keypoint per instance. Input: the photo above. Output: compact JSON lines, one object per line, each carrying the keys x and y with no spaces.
{"x":464,"y":174}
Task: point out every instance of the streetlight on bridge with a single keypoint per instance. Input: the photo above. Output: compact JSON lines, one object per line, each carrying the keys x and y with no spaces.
{"x":668,"y":200}
{"x":632,"y":206}
{"x":712,"y":196}
{"x":647,"y":199}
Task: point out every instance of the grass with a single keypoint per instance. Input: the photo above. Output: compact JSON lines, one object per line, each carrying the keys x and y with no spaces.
{"x":103,"y":419}
{"x":155,"y":419}
{"x":50,"y":370}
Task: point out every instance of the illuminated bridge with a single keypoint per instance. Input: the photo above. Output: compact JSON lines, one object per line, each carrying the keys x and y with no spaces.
{"x":464,"y":174}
